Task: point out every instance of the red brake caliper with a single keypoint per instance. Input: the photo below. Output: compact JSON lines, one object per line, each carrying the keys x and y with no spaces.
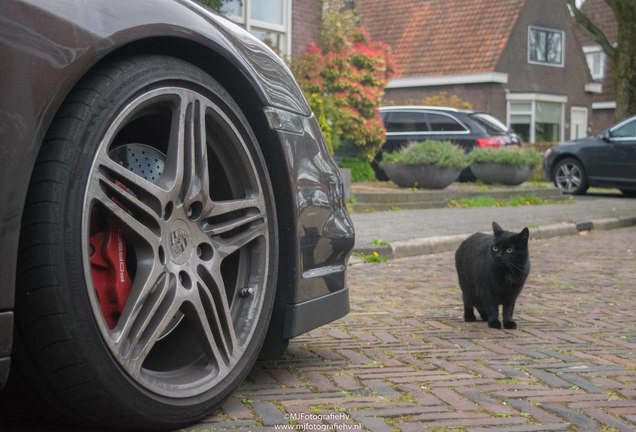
{"x":110,"y":275}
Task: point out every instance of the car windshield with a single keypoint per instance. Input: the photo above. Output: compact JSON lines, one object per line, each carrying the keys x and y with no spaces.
{"x":492,"y":125}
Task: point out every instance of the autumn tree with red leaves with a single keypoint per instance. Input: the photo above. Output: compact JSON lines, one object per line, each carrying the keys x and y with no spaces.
{"x":344,"y":79}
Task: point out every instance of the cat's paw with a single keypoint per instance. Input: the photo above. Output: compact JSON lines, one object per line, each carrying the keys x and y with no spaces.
{"x":511,"y":325}
{"x":496,"y":324}
{"x":469,"y":318}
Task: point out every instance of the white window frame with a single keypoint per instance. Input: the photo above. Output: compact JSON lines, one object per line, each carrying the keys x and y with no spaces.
{"x":248,"y":23}
{"x":533,"y":98}
{"x":591,"y":51}
{"x":534,"y":62}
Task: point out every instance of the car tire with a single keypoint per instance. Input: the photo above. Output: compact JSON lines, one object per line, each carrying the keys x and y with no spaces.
{"x":569,"y":176}
{"x":631,"y":193}
{"x":148,"y":249}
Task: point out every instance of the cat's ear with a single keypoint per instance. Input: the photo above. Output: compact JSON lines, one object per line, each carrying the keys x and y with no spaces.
{"x":497,"y":229}
{"x":524,"y":235}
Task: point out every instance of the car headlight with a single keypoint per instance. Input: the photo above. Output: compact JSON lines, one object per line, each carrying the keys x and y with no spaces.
{"x":279,"y":119}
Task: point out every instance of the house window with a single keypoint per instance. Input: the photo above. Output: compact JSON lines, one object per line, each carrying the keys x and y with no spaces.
{"x":547,"y":121}
{"x":545,"y":46}
{"x":536,"y":117}
{"x":595,"y":61}
{"x":270,"y":11}
{"x":520,"y":119}
{"x":233,"y":8}
{"x":268,"y":20}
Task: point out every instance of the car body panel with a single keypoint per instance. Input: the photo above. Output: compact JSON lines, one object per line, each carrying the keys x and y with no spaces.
{"x":609,"y":161}
{"x":46,"y":47}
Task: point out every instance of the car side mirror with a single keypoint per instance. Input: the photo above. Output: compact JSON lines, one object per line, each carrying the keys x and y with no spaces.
{"x":605,"y":136}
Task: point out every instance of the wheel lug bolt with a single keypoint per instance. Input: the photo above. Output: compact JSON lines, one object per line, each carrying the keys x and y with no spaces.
{"x":246,"y":292}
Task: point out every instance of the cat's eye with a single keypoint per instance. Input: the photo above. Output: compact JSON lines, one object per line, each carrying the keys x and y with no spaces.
{"x":509,"y":250}
{"x":495,"y":249}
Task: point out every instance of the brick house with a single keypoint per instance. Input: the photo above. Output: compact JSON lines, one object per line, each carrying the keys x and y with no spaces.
{"x":288,"y":26}
{"x":520,"y":60}
{"x":603,"y":103}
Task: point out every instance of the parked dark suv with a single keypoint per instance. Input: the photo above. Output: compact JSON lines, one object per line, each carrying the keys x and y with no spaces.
{"x":405,"y":124}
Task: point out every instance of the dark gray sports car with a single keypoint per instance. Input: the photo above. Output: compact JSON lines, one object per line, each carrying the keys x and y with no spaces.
{"x":168,"y":209}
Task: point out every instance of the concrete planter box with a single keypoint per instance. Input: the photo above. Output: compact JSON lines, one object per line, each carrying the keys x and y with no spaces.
{"x":421,"y":176}
{"x":492,"y":173}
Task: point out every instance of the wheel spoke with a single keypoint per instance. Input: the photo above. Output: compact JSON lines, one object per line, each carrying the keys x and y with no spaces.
{"x":235,"y":223}
{"x":148,"y":313}
{"x":220,"y":208}
{"x":213,"y":312}
{"x":187,"y":159}
{"x":146,"y":191}
{"x":221,"y":228}
{"x":134,"y":215}
{"x":227,"y":245}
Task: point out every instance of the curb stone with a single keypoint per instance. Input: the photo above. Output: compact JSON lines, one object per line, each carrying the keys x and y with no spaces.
{"x":448,"y":243}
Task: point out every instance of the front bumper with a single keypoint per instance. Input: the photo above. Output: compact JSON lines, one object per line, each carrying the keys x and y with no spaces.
{"x":324,"y":234}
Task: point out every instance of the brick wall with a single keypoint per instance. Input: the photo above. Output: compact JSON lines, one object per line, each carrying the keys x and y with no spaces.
{"x":305,"y":24}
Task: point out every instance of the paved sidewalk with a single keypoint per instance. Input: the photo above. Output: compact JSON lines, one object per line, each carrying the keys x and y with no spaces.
{"x":404,"y":360}
{"x":416,"y":232}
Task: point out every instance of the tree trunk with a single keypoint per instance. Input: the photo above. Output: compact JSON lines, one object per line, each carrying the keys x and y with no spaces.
{"x":625,"y":61}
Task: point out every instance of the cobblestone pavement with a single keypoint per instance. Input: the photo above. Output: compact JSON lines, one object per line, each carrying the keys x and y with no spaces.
{"x":404,"y":360}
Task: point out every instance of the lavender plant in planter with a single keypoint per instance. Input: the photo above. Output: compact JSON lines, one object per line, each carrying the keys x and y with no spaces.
{"x":427,"y":164}
{"x":503,"y":166}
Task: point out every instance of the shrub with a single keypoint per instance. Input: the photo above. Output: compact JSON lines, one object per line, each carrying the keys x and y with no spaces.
{"x":505,"y":156}
{"x":361,"y":170}
{"x":440,"y":153}
{"x":344,"y":80}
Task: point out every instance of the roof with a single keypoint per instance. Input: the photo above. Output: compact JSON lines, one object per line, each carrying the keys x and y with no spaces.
{"x":418,"y":32}
{"x":602,"y":15}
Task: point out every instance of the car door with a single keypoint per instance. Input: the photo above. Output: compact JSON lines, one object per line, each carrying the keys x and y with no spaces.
{"x":616,"y":158}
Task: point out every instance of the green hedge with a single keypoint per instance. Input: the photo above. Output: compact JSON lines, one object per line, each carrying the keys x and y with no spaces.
{"x":361,"y":170}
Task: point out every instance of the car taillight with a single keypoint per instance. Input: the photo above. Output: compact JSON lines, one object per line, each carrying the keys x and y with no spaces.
{"x":490,"y":142}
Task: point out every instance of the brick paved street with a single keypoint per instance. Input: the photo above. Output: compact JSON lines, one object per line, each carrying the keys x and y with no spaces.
{"x":404,"y":360}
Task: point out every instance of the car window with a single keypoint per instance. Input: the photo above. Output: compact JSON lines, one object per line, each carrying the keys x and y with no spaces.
{"x":627,"y":130}
{"x":443,"y":123}
{"x":408,"y":121}
{"x":490,"y":123}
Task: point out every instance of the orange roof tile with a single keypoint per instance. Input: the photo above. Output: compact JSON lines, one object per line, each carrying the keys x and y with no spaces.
{"x":441,"y":37}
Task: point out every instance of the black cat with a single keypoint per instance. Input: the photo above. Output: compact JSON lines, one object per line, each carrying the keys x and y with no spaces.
{"x":492,"y":270}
